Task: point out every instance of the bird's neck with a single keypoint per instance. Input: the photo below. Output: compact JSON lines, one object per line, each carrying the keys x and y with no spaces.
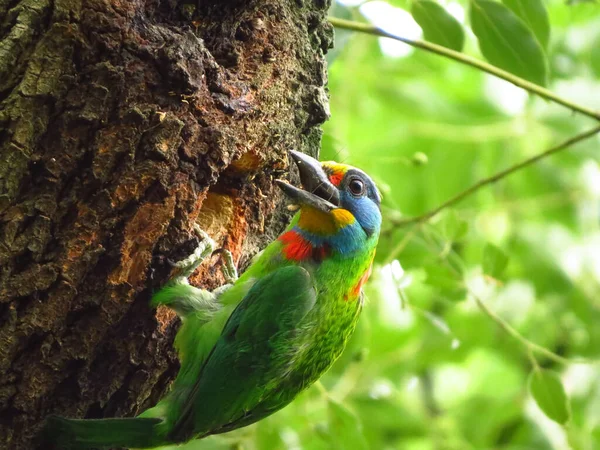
{"x":350,"y":241}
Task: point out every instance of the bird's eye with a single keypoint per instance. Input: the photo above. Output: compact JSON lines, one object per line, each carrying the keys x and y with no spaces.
{"x":356,"y":187}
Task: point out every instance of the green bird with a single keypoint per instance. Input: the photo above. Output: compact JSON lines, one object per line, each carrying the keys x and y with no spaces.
{"x":249,"y":348}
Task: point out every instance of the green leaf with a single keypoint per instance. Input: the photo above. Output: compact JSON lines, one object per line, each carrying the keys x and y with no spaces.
{"x":506,"y":42}
{"x":595,"y":57}
{"x":448,"y":282}
{"x":534,"y":14}
{"x":438,"y":25}
{"x":345,"y":427}
{"x":549,"y":394}
{"x":494,"y":261}
{"x":453,"y":226}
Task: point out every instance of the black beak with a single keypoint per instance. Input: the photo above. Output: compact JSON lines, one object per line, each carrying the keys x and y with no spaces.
{"x":318,"y":191}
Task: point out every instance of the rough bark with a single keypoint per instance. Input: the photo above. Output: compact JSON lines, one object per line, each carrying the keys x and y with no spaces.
{"x":122,"y":122}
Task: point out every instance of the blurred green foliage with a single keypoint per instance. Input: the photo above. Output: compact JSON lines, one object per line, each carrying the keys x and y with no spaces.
{"x":444,"y":356}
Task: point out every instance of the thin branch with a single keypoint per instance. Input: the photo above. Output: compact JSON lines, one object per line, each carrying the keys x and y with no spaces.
{"x":531,"y":347}
{"x":428,"y":394}
{"x":498,"y":176}
{"x":467,"y":60}
{"x":518,"y":336}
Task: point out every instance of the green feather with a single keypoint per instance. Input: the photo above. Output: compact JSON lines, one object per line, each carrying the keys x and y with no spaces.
{"x":259,"y":343}
{"x":74,"y":434}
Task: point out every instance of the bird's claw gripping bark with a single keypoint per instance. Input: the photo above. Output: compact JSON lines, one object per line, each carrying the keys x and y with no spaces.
{"x":205,"y":248}
{"x":229,"y":270}
{"x":185,"y":299}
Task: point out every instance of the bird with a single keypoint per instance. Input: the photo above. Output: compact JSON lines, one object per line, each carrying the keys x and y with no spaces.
{"x":249,"y":348}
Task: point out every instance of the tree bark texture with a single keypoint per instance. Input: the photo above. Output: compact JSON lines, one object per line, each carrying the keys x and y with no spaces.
{"x":123,"y":122}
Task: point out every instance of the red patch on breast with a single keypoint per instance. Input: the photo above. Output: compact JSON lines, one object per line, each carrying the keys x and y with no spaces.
{"x":295,"y":247}
{"x":361,"y":282}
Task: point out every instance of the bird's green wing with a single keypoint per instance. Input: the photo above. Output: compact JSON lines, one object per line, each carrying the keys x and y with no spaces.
{"x":256,"y":350}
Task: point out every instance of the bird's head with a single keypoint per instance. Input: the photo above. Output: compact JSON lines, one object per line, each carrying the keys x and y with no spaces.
{"x":339,"y":204}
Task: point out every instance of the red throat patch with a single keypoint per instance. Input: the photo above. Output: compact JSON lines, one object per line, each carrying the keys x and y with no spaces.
{"x":297,"y":248}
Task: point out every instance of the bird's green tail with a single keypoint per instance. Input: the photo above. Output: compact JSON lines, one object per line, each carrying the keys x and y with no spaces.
{"x":100,"y":433}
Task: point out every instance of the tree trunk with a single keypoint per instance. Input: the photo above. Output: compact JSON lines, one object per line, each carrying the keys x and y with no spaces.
{"x":123,"y":122}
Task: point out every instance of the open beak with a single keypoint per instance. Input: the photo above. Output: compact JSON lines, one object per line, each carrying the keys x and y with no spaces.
{"x":317,"y":192}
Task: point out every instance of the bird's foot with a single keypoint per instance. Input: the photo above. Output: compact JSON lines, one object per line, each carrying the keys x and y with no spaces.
{"x":229,"y":270}
{"x":185,"y":299}
{"x":205,"y":249}
{"x":187,"y":266}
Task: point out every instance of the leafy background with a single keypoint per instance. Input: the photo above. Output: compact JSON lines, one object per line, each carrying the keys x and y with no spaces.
{"x":482,"y":325}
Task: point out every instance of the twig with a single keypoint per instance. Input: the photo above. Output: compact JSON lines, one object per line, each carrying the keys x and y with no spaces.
{"x":504,"y":173}
{"x":531,"y":347}
{"x":428,"y":394}
{"x":467,"y":60}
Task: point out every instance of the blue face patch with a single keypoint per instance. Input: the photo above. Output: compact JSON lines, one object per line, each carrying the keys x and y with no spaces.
{"x":364,"y":210}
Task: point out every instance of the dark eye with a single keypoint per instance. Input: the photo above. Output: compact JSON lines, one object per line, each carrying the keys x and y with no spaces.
{"x":356,"y":187}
